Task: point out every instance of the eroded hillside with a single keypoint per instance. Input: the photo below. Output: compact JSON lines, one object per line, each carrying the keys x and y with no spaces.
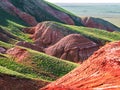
{"x":32,"y":30}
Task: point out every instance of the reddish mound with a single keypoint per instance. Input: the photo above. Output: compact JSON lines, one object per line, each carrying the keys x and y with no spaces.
{"x":8,"y":82}
{"x":18,"y":53}
{"x":31,"y":46}
{"x":99,"y":23}
{"x":73,"y":47}
{"x":44,"y":35}
{"x":100,"y":71}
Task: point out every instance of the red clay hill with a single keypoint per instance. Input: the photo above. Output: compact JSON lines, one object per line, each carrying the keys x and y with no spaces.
{"x":100,"y":72}
{"x":73,"y":47}
{"x":58,"y":41}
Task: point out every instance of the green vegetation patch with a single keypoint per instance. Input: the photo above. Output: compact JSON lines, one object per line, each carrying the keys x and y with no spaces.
{"x":53,"y":65}
{"x":19,"y":68}
{"x":5,"y":70}
{"x":42,"y":67}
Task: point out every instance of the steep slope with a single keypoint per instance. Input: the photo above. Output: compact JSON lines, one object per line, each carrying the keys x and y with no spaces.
{"x":100,"y":71}
{"x":44,"y":11}
{"x":73,"y":47}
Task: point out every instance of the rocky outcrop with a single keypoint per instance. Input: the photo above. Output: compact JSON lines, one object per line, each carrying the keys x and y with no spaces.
{"x":99,"y":72}
{"x":8,"y":82}
{"x":31,"y":46}
{"x":99,"y":23}
{"x":10,"y":8}
{"x":73,"y":47}
{"x":19,"y":54}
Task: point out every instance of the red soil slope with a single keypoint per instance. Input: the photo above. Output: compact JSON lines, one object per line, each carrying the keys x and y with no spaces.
{"x":8,"y":82}
{"x":100,"y":72}
{"x":73,"y":47}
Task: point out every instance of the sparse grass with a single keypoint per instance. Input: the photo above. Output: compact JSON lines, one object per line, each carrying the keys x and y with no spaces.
{"x":96,"y":33}
{"x":53,"y":65}
{"x":50,"y":67}
{"x":10,"y":67}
